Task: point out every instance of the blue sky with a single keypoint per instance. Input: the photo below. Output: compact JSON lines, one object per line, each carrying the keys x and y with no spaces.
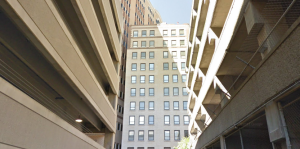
{"x":173,"y":11}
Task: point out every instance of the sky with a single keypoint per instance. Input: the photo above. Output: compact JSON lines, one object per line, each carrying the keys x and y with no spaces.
{"x":173,"y":11}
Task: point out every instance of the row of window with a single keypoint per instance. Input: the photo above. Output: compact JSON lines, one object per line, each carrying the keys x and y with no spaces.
{"x":152,"y":43}
{"x":151,"y":105}
{"x":151,"y":78}
{"x":167,"y":135}
{"x":152,"y":33}
{"x":166,"y":91}
{"x":167,"y":120}
{"x":165,"y":54}
{"x":151,"y":66}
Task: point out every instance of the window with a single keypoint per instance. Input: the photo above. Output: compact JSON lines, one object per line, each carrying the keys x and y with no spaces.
{"x":173,"y":43}
{"x":182,"y":43}
{"x":175,"y":91}
{"x":173,"y":32}
{"x":151,"y":120}
{"x":165,"y":43}
{"x":142,"y":120}
{"x":151,"y":55}
{"x":143,"y":55}
{"x":166,"y":105}
{"x":166,"y":54}
{"x":150,"y":135}
{"x":176,"y":135}
{"x":166,"y":66}
{"x":176,"y":120}
{"x":181,"y":32}
{"x":185,"y":105}
{"x":166,"y":91}
{"x":134,"y":55}
{"x":184,"y":91}
{"x":135,"y":44}
{"x":142,"y":79}
{"x":151,"y":79}
{"x":165,"y":33}
{"x":143,"y":43}
{"x":151,"y":32}
{"x":174,"y":54}
{"x":151,"y":66}
{"x":176,"y":105}
{"x":132,"y":92}
{"x":186,"y":119}
{"x":167,"y":119}
{"x":131,"y":120}
{"x":174,"y":66}
{"x":175,"y":78}
{"x":183,"y":77}
{"x":132,"y":105}
{"x":166,"y":78}
{"x":186,"y":133}
{"x":182,"y":65}
{"x":182,"y":54}
{"x":167,"y":135}
{"x":151,"y":91}
{"x":135,"y":33}
{"x":142,"y":91}
{"x":151,"y":105}
{"x":133,"y":79}
{"x":144,"y":33}
{"x":141,"y":135}
{"x":143,"y":66}
{"x":133,"y":66}
{"x":151,"y":43}
{"x":131,"y":135}
{"x":142,"y":105}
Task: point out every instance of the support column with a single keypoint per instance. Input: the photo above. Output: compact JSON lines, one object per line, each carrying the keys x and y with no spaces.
{"x":109,"y":139}
{"x":222,"y":142}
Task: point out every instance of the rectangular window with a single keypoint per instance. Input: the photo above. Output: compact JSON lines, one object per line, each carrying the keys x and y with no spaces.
{"x":176,"y":135}
{"x":151,"y":91}
{"x":173,"y":32}
{"x":166,"y":105}
{"x":131,"y":120}
{"x":174,"y":54}
{"x":167,"y":120}
{"x":134,"y":44}
{"x":144,"y":33}
{"x":165,"y":43}
{"x":185,"y":105}
{"x":186,"y":133}
{"x":166,"y":78}
{"x":152,"y":32}
{"x":176,"y":105}
{"x":134,"y":55}
{"x":151,"y":55}
{"x":131,"y":135}
{"x":133,"y":79}
{"x":175,"y":91}
{"x":142,"y":91}
{"x":143,"y":43}
{"x":142,"y":120}
{"x":166,"y":54}
{"x":151,"y":105}
{"x":135,"y":33}
{"x":182,"y":43}
{"x":142,"y":105}
{"x":132,"y":105}
{"x":182,"y":54}
{"x":151,"y":79}
{"x":166,"y":91}
{"x":182,"y":65}
{"x":173,"y":43}
{"x":183,"y":77}
{"x":151,"y":43}
{"x":151,"y":66}
{"x":181,"y":32}
{"x":175,"y":78}
{"x":143,"y":66}
{"x":151,"y":120}
{"x":133,"y":66}
{"x":166,"y":66}
{"x":174,"y":66}
{"x":186,"y":119}
{"x":184,"y":91}
{"x":141,"y":135}
{"x":150,"y":135}
{"x":165,"y":32}
{"x":167,"y":135}
{"x":143,"y":55}
{"x":176,"y":120}
{"x":142,"y":79}
{"x":132,"y":92}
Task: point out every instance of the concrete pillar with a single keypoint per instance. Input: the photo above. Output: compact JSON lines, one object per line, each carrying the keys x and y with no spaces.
{"x":222,"y":142}
{"x":109,"y":139}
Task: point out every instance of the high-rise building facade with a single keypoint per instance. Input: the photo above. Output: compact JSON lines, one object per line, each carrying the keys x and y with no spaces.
{"x":243,"y":74}
{"x":59,"y":68}
{"x":135,"y":12}
{"x":156,"y":97}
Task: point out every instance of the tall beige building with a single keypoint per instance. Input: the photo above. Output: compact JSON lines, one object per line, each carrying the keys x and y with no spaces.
{"x":243,"y":74}
{"x":59,"y":68}
{"x":156,"y":97}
